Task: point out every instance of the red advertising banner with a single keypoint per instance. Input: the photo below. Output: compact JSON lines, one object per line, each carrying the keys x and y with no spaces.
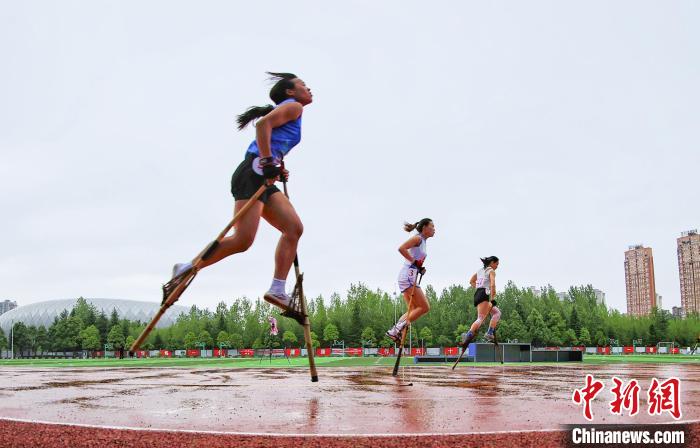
{"x":386,"y":351}
{"x":292,"y":352}
{"x":675,"y":350}
{"x":192,"y":353}
{"x":627,"y":349}
{"x":166,"y":354}
{"x":651,"y":350}
{"x":580,"y":348}
{"x":353,"y":351}
{"x":323,"y":352}
{"x":247,"y":352}
{"x":142,"y":354}
{"x":220,"y":352}
{"x":417,"y":351}
{"x":451,"y":351}
{"x":603,"y":350}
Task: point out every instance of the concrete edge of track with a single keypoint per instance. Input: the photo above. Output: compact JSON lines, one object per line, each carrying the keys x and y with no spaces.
{"x":328,"y":435}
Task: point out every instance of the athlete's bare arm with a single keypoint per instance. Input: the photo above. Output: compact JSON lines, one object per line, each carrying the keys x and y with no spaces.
{"x":411,"y":242}
{"x":264,"y":126}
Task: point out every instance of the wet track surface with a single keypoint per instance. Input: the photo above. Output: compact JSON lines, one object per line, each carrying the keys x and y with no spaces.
{"x":346,"y":401}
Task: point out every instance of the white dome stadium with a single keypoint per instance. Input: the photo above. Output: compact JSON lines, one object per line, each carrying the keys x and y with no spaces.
{"x":43,"y":313}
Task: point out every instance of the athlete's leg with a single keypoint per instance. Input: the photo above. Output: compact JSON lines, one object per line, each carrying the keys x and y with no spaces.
{"x":280,"y":213}
{"x":243,"y":235}
{"x":419,"y":304}
{"x":481,"y":311}
{"x":495,"y":317}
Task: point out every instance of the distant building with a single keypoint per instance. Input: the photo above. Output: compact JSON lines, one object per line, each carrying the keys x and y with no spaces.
{"x":7,"y":305}
{"x":678,"y":312}
{"x":599,"y":296}
{"x":563,"y":296}
{"x":639,"y":280}
{"x":659,"y":302}
{"x":42,"y":314}
{"x":689,"y":270}
{"x":537,"y":292}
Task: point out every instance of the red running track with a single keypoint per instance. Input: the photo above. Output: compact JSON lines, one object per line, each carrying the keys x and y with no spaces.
{"x":275,"y":407}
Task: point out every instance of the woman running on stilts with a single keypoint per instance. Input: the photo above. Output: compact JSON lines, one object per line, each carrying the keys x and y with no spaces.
{"x":484,"y":300}
{"x":277,"y":131}
{"x":414,"y":251}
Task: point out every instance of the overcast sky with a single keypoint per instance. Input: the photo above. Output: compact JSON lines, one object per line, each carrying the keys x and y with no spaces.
{"x":552,"y":134}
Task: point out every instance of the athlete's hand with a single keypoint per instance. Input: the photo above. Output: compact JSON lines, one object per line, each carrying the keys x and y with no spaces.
{"x":284,"y":175}
{"x":270,"y":168}
{"x":418,"y":264}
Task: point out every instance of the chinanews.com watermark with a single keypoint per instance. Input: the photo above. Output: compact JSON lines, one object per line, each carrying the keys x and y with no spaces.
{"x":663,"y":397}
{"x":589,"y":436}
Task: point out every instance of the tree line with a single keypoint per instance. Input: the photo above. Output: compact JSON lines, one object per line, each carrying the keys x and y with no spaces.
{"x":360,"y":318}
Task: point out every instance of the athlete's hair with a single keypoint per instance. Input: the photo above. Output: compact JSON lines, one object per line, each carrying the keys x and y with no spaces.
{"x":278,"y":93}
{"x":418,"y":225}
{"x":488,"y":260}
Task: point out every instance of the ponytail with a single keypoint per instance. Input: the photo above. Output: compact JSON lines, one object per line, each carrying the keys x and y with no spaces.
{"x":278,"y":93}
{"x":253,"y":113}
{"x":417,"y":225}
{"x":488,"y":260}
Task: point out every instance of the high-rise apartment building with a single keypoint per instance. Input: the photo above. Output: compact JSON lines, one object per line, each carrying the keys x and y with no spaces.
{"x":639,"y":280}
{"x":7,"y":305}
{"x":689,"y":270}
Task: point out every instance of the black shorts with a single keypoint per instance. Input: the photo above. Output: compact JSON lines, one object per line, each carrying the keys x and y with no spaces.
{"x":245,"y":182}
{"x":481,"y":296}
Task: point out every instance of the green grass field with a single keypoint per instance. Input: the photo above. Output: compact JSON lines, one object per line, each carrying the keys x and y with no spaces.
{"x":302,"y":362}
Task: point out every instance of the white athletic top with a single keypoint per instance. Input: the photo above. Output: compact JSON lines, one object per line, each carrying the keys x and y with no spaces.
{"x":418,"y":252}
{"x":483,"y":279}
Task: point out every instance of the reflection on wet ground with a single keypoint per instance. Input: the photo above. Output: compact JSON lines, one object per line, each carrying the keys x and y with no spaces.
{"x":368,"y":400}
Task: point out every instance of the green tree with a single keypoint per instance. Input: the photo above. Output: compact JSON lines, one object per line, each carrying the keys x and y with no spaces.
{"x":130,"y":341}
{"x":90,"y":338}
{"x":315,"y":343}
{"x":330,"y":333}
{"x":600,"y":339}
{"x":223,"y":338}
{"x":557,"y":328}
{"x":570,"y":338}
{"x":585,"y":337}
{"x":85,"y":311}
{"x":516,"y":328}
{"x":289,"y":338}
{"x":3,"y":341}
{"x":368,"y":337}
{"x":41,"y":341}
{"x":116,"y":337}
{"x":20,"y":338}
{"x":102,"y":324}
{"x":190,"y":340}
{"x":385,"y":342}
{"x":158,"y":343}
{"x":461,"y":328}
{"x":206,"y":339}
{"x":427,"y":335}
{"x":113,"y":319}
{"x":442,"y":341}
{"x":236,"y":340}
{"x":574,"y":321}
{"x":537,"y":328}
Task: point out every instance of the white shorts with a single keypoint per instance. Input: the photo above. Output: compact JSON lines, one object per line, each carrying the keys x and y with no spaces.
{"x":407,"y":277}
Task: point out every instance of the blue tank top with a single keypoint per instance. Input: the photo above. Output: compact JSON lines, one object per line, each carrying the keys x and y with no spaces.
{"x":283,"y":138}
